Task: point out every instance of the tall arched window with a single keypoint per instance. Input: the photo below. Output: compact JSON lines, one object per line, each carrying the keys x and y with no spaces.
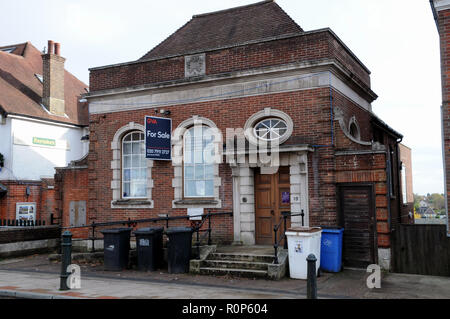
{"x":198,"y":162}
{"x":134,"y":166}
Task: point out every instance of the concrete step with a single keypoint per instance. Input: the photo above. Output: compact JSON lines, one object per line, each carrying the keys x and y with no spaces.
{"x":242,"y":257}
{"x":236,"y":264}
{"x":233,"y":272}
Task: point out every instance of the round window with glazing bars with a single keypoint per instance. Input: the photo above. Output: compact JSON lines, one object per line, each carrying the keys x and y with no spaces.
{"x":270,"y":129}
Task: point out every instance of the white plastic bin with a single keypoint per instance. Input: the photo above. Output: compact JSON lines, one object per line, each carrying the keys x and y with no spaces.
{"x":303,"y":241}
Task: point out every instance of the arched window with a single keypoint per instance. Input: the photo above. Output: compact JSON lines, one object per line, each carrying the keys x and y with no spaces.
{"x":353,"y":129}
{"x":198,"y":162}
{"x":134,"y":166}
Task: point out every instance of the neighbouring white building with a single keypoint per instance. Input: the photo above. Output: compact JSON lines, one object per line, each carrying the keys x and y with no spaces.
{"x":42,"y":125}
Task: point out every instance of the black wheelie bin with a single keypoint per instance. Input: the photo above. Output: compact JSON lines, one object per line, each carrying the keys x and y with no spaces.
{"x":179,"y":246}
{"x":149,"y":247}
{"x":116,"y":243}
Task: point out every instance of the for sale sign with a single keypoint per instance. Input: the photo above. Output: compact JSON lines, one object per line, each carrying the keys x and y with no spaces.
{"x":158,"y":138}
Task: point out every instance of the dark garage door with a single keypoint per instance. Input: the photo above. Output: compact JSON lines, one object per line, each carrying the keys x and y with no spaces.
{"x":356,"y":208}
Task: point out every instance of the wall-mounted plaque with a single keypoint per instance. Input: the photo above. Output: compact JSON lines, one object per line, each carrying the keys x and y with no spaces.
{"x":194,"y":65}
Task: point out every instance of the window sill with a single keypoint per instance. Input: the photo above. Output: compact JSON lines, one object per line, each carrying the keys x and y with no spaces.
{"x":197,"y":203}
{"x":131,"y":203}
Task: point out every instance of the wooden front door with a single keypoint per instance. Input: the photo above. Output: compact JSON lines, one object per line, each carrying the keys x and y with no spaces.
{"x":272,"y":196}
{"x":357,"y":217}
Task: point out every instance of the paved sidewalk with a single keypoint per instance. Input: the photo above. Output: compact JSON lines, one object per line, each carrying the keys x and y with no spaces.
{"x":36,"y":277}
{"x":44,"y":285}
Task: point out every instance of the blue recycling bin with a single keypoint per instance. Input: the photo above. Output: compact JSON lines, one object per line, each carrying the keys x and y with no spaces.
{"x":331,"y":249}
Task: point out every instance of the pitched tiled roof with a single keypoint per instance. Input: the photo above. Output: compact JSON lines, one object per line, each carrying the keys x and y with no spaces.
{"x":17,"y":49}
{"x":252,"y":23}
{"x":375,"y":119}
{"x":21,"y":90}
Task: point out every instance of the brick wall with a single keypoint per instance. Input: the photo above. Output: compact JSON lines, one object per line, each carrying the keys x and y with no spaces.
{"x":71,"y":184}
{"x":405,"y":158}
{"x":48,"y":202}
{"x":309,"y":110}
{"x":53,"y":82}
{"x":41,"y":193}
{"x":408,"y":206}
{"x":369,"y":168}
{"x":13,"y":235}
{"x":444,"y":30}
{"x":362,"y":168}
{"x":349,"y":110}
{"x":310,"y":47}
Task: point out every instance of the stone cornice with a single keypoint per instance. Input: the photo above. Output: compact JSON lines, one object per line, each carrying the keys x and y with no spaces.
{"x":441,"y":5}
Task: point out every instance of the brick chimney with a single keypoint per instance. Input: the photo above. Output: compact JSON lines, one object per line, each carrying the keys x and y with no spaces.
{"x":53,"y":78}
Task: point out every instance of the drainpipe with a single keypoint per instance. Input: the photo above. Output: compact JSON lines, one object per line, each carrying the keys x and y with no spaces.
{"x":389,"y":177}
{"x":399,"y":189}
{"x":444,"y":171}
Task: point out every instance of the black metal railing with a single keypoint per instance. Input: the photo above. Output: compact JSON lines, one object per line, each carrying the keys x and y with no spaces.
{"x":53,"y":219}
{"x":196,"y":226}
{"x":277,"y":238}
{"x":197,"y":229}
{"x":21,"y":223}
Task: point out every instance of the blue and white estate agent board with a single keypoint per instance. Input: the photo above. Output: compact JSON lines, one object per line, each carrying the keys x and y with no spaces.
{"x":158,"y":132}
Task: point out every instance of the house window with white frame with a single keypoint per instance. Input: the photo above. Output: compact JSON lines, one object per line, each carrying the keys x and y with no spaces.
{"x":198,"y":162}
{"x":134,"y":166}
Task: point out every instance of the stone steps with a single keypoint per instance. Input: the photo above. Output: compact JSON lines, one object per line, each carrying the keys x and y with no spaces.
{"x":249,"y":273}
{"x":236,"y":264}
{"x":240,"y":261}
{"x":242,"y":257}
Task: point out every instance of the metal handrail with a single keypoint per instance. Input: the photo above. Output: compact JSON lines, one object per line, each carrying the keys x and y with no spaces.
{"x":207,"y":232}
{"x":134,"y":222}
{"x":21,"y":223}
{"x":283,"y":220}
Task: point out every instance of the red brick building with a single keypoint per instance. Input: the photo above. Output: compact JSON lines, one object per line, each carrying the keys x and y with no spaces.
{"x":252,"y":70}
{"x":441,"y":12}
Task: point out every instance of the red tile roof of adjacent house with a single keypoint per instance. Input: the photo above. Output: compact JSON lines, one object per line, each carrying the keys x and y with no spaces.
{"x":236,"y":26}
{"x":21,"y":90}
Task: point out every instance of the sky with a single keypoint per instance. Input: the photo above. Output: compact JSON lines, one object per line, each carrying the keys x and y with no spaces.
{"x":397,"y":40}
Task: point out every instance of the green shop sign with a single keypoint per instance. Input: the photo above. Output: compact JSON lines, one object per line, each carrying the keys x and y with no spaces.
{"x":44,"y":141}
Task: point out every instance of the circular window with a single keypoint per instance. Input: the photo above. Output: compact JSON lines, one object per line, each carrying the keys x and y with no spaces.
{"x":268,"y":125}
{"x":271,"y":129}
